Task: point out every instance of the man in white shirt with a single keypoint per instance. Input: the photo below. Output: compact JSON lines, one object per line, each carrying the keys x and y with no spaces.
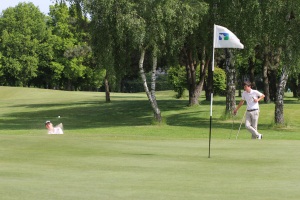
{"x":252,"y":97}
{"x":54,"y":130}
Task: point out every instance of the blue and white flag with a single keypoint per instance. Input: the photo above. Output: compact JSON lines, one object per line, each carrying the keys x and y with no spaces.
{"x":224,"y":38}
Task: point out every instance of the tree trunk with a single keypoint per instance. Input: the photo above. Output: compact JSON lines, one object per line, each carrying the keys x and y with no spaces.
{"x":209,"y":84}
{"x":279,"y":118}
{"x":157,"y":113}
{"x":107,"y":93}
{"x":251,"y":72}
{"x":195,"y":88}
{"x":298,"y":88}
{"x":69,"y":85}
{"x":202,"y":75}
{"x":151,"y":95}
{"x":295,"y":86}
{"x":230,"y":82}
{"x":191,"y":68}
{"x":265,"y":76}
{"x":273,"y":78}
{"x":191,"y":78}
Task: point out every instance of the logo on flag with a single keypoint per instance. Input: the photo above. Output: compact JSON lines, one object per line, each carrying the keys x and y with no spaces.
{"x":223,"y":36}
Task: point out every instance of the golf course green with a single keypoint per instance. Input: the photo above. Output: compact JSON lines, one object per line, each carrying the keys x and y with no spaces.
{"x":115,"y":150}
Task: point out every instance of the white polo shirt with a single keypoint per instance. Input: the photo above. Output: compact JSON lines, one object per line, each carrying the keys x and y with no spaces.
{"x":56,"y":130}
{"x":249,"y":98}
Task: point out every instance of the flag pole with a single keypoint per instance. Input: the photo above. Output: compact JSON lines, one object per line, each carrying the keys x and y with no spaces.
{"x":222,"y":38}
{"x":211,"y":94}
{"x":211,"y":97}
{"x":213,"y":57}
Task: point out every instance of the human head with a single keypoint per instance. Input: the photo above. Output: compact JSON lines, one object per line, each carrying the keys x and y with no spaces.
{"x":247,"y":85}
{"x":48,"y":125}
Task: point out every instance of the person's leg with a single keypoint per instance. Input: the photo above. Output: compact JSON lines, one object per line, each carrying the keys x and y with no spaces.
{"x":255,"y":116}
{"x":254,"y":124}
{"x":251,"y":123}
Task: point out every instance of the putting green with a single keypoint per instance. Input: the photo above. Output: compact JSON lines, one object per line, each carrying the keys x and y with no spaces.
{"x":97,"y":167}
{"x":112,"y":151}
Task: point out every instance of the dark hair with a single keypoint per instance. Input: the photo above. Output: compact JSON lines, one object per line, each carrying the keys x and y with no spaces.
{"x":248,"y":83}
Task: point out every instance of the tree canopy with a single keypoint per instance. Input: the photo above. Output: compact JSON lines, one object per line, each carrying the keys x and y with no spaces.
{"x":89,"y":43}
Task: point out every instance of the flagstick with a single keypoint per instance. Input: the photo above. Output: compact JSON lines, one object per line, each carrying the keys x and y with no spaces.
{"x":213,"y":57}
{"x":211,"y":100}
{"x":219,"y":41}
{"x":211,"y":95}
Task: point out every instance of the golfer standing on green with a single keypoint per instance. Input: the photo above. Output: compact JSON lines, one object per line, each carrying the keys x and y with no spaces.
{"x":252,"y":97}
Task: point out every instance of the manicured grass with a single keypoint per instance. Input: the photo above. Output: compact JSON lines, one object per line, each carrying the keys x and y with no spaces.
{"x":112,"y":150}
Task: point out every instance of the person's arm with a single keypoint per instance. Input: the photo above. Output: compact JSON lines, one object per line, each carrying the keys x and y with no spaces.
{"x":238,"y":107}
{"x":262,"y":96}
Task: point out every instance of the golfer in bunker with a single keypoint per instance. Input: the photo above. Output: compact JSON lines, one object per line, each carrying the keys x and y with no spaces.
{"x":58,"y":129}
{"x":252,"y":97}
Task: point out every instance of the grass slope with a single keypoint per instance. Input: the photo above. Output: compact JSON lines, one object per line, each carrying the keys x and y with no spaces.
{"x":111,"y":150}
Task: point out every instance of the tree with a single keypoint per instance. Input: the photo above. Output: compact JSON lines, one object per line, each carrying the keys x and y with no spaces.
{"x":154,"y":28}
{"x":23,"y":35}
{"x":177,"y":77}
{"x":71,"y":47}
{"x":233,"y":15}
{"x":290,"y":54}
{"x":194,"y":51}
{"x":111,"y":42}
{"x":275,"y":43}
{"x":279,"y":29}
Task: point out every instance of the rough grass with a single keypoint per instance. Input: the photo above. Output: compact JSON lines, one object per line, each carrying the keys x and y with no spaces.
{"x":111,"y":150}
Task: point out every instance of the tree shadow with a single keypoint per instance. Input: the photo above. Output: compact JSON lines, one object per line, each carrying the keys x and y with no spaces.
{"x":91,"y":114}
{"x":120,"y":112}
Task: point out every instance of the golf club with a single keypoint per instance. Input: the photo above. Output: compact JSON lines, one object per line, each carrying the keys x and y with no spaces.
{"x":232,"y":116}
{"x":241,"y":125}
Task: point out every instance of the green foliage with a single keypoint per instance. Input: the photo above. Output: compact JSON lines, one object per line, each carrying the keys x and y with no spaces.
{"x":177,"y":77}
{"x":162,"y":83}
{"x":270,"y":26}
{"x":159,"y":27}
{"x":22,"y":33}
{"x":136,"y":85}
{"x":219,"y":81}
{"x":32,"y":44}
{"x":65,"y":40}
{"x":93,"y":79}
{"x":48,"y":52}
{"x":58,"y":69}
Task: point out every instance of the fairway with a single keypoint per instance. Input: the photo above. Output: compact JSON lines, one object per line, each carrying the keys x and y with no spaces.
{"x":92,"y":167}
{"x":112,"y":151}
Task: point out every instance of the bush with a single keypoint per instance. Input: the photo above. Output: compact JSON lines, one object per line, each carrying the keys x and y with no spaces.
{"x":136,"y":85}
{"x":177,"y":78}
{"x":219,"y":81}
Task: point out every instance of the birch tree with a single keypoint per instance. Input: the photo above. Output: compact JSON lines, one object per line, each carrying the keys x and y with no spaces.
{"x":290,"y":53}
{"x":154,"y":28}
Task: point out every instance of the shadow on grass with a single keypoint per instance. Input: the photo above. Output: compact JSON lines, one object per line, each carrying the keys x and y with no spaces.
{"x":79,"y":115}
{"x":120,"y":112}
